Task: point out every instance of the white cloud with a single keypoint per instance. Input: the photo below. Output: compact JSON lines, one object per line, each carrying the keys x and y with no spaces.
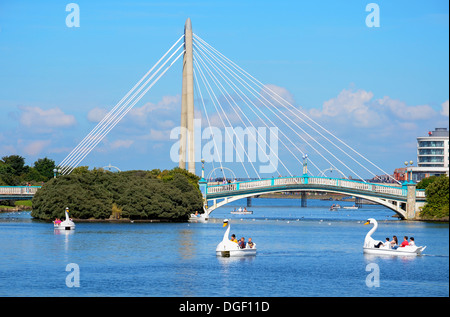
{"x":121,"y":144}
{"x":444,"y":110}
{"x":360,"y":109}
{"x":400,"y":110}
{"x":350,"y":107}
{"x":35,"y":148}
{"x":158,"y":135}
{"x":275,"y":92}
{"x":156,"y":112}
{"x":96,"y":114}
{"x":42,"y":120}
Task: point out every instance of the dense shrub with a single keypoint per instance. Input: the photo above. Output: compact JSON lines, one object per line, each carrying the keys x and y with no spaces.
{"x":437,"y":205}
{"x":138,"y":194}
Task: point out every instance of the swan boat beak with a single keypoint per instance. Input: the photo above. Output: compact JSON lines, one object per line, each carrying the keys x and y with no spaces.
{"x":367,"y":223}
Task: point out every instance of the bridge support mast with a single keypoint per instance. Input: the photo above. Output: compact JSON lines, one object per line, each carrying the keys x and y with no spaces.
{"x":187,"y":104}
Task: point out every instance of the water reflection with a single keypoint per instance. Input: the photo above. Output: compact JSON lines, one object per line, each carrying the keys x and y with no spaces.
{"x":186,"y":243}
{"x":403,"y":258}
{"x":226,"y":262}
{"x":185,"y":275}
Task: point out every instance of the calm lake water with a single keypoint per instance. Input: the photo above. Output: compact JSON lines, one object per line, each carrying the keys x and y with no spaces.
{"x":301,"y":252}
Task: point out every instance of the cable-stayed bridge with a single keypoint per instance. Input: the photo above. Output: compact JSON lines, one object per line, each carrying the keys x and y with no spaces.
{"x":253,"y":127}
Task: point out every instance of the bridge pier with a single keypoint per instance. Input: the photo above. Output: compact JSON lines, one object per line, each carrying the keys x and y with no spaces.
{"x":411,"y":201}
{"x":249,"y":201}
{"x":304,"y":200}
{"x":358,"y":202}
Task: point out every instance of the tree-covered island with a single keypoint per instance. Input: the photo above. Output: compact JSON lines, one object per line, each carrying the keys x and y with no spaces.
{"x":97,"y":194}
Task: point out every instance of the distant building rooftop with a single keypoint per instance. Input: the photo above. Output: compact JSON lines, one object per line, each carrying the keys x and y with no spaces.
{"x":439,"y":132}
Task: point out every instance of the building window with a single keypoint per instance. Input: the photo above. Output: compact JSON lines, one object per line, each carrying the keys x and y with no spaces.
{"x":431,"y":143}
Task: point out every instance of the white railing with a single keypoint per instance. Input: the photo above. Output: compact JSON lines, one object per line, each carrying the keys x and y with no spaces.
{"x":288,"y":181}
{"x":222,"y":188}
{"x":255,"y":184}
{"x":420,"y":193}
{"x":323,"y":181}
{"x":18,"y":190}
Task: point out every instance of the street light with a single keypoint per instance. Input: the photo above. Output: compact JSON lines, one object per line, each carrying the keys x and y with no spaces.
{"x":406,"y":166}
{"x":56,"y":171}
{"x":203,"y":168}
{"x":305,"y":164}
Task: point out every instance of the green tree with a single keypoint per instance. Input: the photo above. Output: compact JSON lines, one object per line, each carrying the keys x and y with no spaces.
{"x":437,"y":205}
{"x":140,"y":195}
{"x":45,"y":167}
{"x":423,"y":184}
{"x":7,"y":175}
{"x":17,"y":163}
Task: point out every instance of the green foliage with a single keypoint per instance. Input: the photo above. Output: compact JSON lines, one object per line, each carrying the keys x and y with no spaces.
{"x":17,"y":164}
{"x":138,"y":194}
{"x":423,"y":184}
{"x":45,"y":167}
{"x":437,"y":193}
{"x":14,"y":172}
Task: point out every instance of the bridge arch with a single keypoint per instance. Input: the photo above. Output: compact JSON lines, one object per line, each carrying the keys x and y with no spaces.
{"x":394,"y":205}
{"x":404,"y":200}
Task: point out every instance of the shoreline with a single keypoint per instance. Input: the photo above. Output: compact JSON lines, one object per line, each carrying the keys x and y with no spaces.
{"x":326,"y":197}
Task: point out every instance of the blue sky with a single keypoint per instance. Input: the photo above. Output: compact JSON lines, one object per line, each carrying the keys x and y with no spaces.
{"x":375,"y":88}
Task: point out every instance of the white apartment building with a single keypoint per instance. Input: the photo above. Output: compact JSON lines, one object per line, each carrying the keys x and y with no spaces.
{"x":432,"y":154}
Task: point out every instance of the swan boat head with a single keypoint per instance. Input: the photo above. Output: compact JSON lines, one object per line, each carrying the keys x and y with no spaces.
{"x":369,"y":242}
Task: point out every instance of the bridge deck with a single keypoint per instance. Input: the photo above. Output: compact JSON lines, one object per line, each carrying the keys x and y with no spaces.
{"x":310,"y":183}
{"x":17,"y":192}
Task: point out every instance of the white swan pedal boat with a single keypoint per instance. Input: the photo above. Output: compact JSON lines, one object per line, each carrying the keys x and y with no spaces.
{"x":228,"y":248}
{"x":370,"y":243}
{"x":67,"y":224}
{"x":198,"y":217}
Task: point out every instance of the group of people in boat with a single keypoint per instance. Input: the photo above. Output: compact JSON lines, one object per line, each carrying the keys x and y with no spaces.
{"x":241,"y":243}
{"x":57,"y":221}
{"x":393,"y":244}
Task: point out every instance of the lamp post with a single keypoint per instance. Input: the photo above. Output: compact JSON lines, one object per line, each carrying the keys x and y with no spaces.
{"x":55,"y":171}
{"x":305,"y":164}
{"x":410,"y":170}
{"x":203,"y":168}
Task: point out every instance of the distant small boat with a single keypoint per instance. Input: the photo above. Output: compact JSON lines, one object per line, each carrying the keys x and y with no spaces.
{"x":241,"y":211}
{"x":198,"y":217}
{"x":350,"y":207}
{"x":335,"y":207}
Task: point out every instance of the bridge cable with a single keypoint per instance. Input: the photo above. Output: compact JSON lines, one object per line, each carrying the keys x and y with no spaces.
{"x":223,"y":76}
{"x":229,"y":122}
{"x":128,"y":109}
{"x":262,"y":113}
{"x":117,"y":116}
{"x":217,"y":83}
{"x":264,"y":87}
{"x":102,"y":122}
{"x":241,"y":81}
{"x":209,"y":124}
{"x":204,"y":79}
